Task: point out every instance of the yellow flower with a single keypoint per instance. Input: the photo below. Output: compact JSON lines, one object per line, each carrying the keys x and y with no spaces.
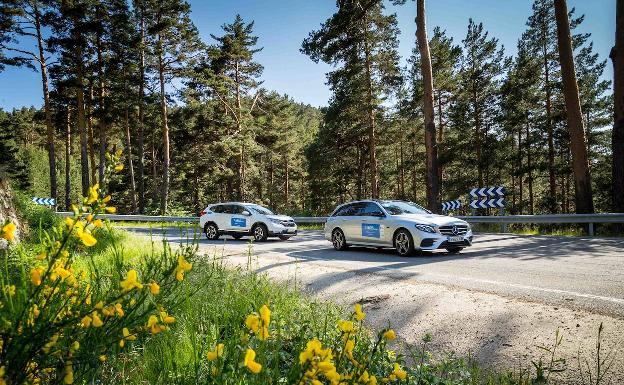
{"x":99,"y":305}
{"x":390,"y":335}
{"x":87,"y":239}
{"x":346,"y":326}
{"x":102,"y":358}
{"x":253,"y":322}
{"x":119,"y":310}
{"x":86,"y":321}
{"x":183,"y":266}
{"x":61,"y":272}
{"x":166,"y":318}
{"x":111,"y":210}
{"x":41,"y":256}
{"x":398,"y":372}
{"x":10,"y":290}
{"x":35,"y":276}
{"x":126,"y":337}
{"x":249,"y":362}
{"x":152,"y":325}
{"x":98,"y":223}
{"x":89,"y":218}
{"x":119,"y":167}
{"x":8,"y":231}
{"x":93,"y":194}
{"x":131,"y":282}
{"x":106,"y":199}
{"x":359,"y":314}
{"x":218,"y":352}
{"x":154,"y":288}
{"x":97,"y":322}
{"x":265,"y":315}
{"x":36,"y":311}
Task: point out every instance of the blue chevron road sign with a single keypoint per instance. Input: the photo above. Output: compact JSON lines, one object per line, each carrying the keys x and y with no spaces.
{"x":484,"y":192}
{"x":451,"y":205}
{"x":44,"y":201}
{"x":488,"y":203}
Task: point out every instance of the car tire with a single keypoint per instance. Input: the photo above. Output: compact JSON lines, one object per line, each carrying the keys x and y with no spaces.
{"x":212,"y":231}
{"x":284,"y":238}
{"x":338,"y":240}
{"x":454,"y":250}
{"x":237,"y":236}
{"x":260,"y":233}
{"x":403,"y":243}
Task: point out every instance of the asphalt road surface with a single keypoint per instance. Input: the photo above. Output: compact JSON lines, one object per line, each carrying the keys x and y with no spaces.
{"x":497,"y":300}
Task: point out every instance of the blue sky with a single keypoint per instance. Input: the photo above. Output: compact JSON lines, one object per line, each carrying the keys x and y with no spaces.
{"x":282,"y":25}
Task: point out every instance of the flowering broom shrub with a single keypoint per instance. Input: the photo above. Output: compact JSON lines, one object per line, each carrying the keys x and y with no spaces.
{"x":63,"y":314}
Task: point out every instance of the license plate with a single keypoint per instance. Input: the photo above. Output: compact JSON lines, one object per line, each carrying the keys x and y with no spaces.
{"x":456,"y":239}
{"x":290,"y":231}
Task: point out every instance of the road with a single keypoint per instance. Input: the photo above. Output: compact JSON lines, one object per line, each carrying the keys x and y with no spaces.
{"x":496,"y":300}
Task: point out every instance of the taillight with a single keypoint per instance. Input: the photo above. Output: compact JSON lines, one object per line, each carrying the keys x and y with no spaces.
{"x":201,"y":213}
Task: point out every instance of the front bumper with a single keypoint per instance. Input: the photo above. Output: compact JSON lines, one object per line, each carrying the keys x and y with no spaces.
{"x":436,"y":241}
{"x":277,"y":230}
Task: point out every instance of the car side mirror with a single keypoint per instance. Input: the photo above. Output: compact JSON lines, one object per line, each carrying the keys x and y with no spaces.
{"x":246,"y":213}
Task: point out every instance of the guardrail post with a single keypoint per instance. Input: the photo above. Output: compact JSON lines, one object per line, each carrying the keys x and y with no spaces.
{"x":503,"y":226}
{"x":591,"y":229}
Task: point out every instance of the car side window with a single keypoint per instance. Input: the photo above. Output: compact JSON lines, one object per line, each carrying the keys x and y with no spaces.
{"x":217,"y":209}
{"x":357,"y":209}
{"x":371,"y":209}
{"x":237,"y":209}
{"x":343,"y":211}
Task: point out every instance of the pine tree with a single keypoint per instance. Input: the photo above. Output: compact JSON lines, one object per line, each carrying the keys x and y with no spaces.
{"x":476,"y":107}
{"x":235,"y":84}
{"x":175,"y":42}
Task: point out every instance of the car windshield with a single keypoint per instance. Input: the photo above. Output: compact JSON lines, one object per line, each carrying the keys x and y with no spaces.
{"x":260,"y":210}
{"x":400,"y":208}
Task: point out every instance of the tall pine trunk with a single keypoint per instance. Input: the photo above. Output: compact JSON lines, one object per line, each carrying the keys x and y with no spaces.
{"x":46,"y":102}
{"x":68,"y":161}
{"x":165,"y":127}
{"x":552,"y":187}
{"x":81,"y":119}
{"x":578,"y":146}
{"x":89,"y":111}
{"x":240,"y":130}
{"x":102,"y":118}
{"x":617,"y":136}
{"x":431,"y":148}
{"x":141,"y":139}
{"x":129,"y":157}
{"x":372,"y":141}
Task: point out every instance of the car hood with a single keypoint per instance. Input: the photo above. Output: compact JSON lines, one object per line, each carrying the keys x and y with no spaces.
{"x":430,"y":219}
{"x":280,"y":217}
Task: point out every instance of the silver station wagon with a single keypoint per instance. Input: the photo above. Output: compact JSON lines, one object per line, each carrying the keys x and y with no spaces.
{"x":402,"y":225}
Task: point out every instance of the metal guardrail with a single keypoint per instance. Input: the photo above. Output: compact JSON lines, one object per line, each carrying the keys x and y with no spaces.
{"x":589,"y":219}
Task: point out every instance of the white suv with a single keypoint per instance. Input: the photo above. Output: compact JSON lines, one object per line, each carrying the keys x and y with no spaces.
{"x":240,"y":219}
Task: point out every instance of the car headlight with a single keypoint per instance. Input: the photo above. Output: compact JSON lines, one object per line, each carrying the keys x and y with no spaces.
{"x":426,"y":228}
{"x":276,"y":221}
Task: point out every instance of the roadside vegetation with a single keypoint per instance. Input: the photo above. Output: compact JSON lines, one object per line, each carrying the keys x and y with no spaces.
{"x":85,"y":302}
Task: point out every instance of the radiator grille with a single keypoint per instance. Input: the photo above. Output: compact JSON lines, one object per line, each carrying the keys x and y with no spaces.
{"x":453,"y":230}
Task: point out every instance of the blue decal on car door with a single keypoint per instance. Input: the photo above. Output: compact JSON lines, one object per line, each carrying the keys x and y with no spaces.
{"x":238,"y":222}
{"x":371,"y":230}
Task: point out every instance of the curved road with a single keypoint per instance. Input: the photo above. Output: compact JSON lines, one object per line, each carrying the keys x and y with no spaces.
{"x":497,"y":300}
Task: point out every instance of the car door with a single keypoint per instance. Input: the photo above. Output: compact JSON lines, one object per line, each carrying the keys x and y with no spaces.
{"x":370,"y":224}
{"x":238,"y":221}
{"x":350,"y":221}
{"x":218,"y":216}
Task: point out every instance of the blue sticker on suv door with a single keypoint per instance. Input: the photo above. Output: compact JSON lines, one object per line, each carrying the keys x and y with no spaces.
{"x":371,"y":230}
{"x":238,"y":222}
